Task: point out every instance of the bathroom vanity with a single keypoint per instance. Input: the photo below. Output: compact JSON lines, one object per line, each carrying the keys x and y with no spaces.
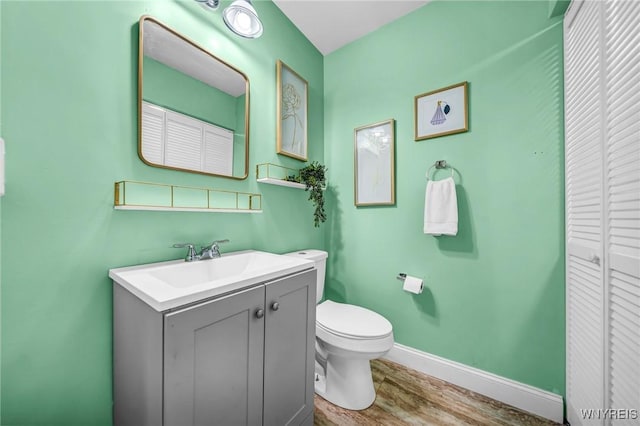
{"x":224,"y":348}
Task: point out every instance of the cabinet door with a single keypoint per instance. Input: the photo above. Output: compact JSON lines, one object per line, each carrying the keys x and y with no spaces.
{"x":213,"y":362}
{"x":289,"y":349}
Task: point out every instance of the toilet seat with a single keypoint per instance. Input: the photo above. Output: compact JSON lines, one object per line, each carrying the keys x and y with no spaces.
{"x":351,"y":322}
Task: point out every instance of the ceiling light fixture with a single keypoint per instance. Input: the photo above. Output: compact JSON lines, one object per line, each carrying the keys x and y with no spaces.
{"x":241,"y":18}
{"x":209,"y":4}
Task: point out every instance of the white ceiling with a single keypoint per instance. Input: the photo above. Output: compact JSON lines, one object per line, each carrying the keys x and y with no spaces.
{"x":330,"y":24}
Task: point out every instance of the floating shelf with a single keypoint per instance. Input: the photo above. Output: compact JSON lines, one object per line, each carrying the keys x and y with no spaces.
{"x":280,"y":182}
{"x":274,"y":174}
{"x":132,"y":195}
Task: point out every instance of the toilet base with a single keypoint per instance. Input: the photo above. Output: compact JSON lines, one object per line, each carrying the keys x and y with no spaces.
{"x":346,"y":382}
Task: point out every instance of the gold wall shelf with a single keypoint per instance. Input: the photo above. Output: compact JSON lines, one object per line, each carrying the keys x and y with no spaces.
{"x":133,"y":195}
{"x":274,"y":174}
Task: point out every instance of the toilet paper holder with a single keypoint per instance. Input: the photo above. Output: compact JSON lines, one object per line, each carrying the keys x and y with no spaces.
{"x":411,"y":284}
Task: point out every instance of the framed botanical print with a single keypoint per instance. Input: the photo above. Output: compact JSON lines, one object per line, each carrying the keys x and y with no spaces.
{"x":292,"y":98}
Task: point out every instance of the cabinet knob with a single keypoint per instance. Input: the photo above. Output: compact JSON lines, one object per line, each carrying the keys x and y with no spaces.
{"x":595,"y":259}
{"x":259,"y":313}
{"x":275,"y":306}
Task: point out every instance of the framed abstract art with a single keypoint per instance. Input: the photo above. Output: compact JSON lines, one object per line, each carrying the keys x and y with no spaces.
{"x":374,"y":164}
{"x":441,"y":112}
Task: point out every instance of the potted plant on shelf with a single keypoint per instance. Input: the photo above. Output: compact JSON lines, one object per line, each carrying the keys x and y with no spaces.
{"x":313,"y":177}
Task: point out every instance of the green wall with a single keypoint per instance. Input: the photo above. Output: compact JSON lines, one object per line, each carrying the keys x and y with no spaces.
{"x":0,"y":223}
{"x":558,"y":7}
{"x":494,"y":294}
{"x":69,"y":116}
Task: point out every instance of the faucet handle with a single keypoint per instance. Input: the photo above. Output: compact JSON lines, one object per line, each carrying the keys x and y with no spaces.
{"x":218,"y":242}
{"x":212,"y":250}
{"x":191,"y":254}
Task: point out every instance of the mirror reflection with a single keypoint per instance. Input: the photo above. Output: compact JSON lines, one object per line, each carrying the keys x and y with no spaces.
{"x":193,"y":107}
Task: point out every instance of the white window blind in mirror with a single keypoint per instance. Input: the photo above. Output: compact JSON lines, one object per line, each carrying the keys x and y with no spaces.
{"x":602,"y":132}
{"x":218,"y":150}
{"x":183,"y":148}
{"x":177,"y":140}
{"x":153,"y":133}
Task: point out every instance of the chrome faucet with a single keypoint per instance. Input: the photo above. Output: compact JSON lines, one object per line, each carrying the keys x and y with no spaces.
{"x":191,"y":254}
{"x":211,"y":251}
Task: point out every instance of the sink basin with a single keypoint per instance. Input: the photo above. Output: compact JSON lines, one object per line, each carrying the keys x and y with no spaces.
{"x":167,"y":285}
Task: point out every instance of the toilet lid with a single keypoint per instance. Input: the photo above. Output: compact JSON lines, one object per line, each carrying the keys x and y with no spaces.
{"x":350,"y":320}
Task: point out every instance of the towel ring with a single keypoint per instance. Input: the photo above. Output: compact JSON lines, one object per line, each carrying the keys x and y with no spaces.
{"x":440,"y":164}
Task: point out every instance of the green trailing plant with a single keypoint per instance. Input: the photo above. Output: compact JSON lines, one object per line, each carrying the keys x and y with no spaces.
{"x":313,"y":176}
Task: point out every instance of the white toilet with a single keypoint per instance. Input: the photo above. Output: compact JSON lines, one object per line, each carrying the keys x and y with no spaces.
{"x":347,"y":337}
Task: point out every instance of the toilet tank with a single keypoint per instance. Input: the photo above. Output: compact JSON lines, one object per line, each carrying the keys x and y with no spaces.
{"x":318,"y":257}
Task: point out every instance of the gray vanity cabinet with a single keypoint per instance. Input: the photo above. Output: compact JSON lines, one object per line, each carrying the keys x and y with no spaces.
{"x":246,"y":358}
{"x":289,"y":351}
{"x":213,"y":362}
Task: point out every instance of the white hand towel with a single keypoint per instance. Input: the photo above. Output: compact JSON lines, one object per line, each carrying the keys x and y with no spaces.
{"x":441,"y":208}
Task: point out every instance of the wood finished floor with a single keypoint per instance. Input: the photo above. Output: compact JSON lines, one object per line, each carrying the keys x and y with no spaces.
{"x":408,"y":397}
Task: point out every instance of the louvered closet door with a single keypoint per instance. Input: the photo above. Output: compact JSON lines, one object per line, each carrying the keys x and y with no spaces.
{"x":622,"y":36}
{"x":584,"y":188}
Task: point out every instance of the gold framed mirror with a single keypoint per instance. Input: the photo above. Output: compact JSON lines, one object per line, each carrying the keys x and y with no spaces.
{"x":193,"y":107}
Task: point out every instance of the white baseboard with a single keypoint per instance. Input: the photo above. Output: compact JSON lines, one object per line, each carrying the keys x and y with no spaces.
{"x":528,"y":398}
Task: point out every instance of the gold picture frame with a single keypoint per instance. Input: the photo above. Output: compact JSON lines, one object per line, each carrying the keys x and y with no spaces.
{"x":374,"y":169}
{"x":441,"y":112}
{"x":291,"y":110}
